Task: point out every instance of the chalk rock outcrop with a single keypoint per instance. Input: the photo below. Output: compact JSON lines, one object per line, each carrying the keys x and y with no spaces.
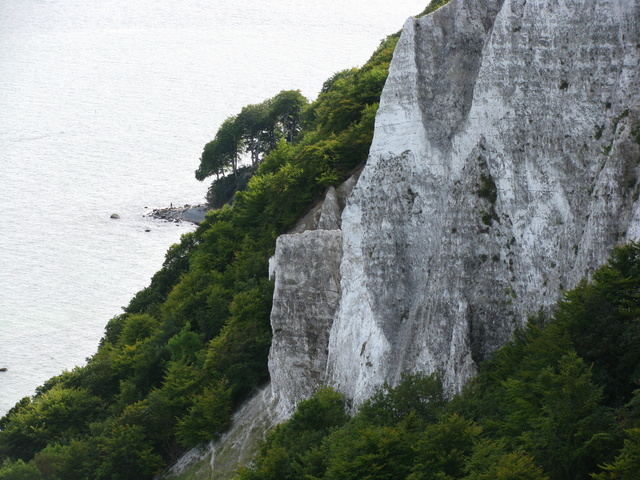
{"x":306,"y":296}
{"x":503,"y":170}
{"x":306,"y":270}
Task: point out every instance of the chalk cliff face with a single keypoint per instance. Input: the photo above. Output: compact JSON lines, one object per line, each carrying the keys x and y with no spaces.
{"x":503,"y":169}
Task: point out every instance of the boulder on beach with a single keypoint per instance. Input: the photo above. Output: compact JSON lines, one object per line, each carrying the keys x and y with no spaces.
{"x":188,"y":213}
{"x":195,"y":214}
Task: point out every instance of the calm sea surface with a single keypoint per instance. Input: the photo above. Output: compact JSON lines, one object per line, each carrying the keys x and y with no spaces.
{"x":104,"y":108}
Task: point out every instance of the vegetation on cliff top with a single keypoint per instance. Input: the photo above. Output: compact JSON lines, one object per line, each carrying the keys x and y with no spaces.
{"x":189,"y":348}
{"x":559,"y":402}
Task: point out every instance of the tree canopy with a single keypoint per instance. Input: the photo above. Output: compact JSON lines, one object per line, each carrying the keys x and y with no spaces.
{"x":256,"y":130}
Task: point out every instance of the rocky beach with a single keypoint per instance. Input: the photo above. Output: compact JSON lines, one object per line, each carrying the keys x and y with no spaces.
{"x":186,"y":213}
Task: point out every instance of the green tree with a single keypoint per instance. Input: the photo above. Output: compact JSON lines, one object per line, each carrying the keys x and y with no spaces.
{"x":603,"y":319}
{"x":369,"y":452}
{"x":212,"y":161}
{"x":223,"y":151}
{"x":208,"y":417}
{"x":255,"y":130}
{"x":258,"y":130}
{"x":186,"y":345}
{"x":491,"y":461}
{"x":19,"y":470}
{"x":626,"y":465}
{"x":126,"y":453}
{"x":286,"y":109}
{"x":136,"y":328}
{"x":199,"y":301}
{"x":421,"y":395}
{"x":73,"y":461}
{"x":159,"y":411}
{"x":444,"y":448}
{"x":56,"y":415}
{"x":240,"y":352}
{"x":561,"y":418}
{"x":290,"y":449}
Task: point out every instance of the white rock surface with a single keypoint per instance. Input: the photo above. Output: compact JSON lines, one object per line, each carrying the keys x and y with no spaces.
{"x":305,"y":299}
{"x":538,"y":98}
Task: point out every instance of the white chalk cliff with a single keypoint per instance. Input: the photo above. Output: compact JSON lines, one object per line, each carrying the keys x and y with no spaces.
{"x":504,"y":168}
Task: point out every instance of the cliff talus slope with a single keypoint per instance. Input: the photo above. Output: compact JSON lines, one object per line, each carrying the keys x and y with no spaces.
{"x":503,"y":169}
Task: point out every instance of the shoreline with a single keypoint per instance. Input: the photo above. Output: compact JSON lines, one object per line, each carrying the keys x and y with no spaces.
{"x":186,"y":213}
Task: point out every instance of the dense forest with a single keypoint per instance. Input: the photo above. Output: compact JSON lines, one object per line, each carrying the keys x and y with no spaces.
{"x":561,"y":401}
{"x":558,"y":402}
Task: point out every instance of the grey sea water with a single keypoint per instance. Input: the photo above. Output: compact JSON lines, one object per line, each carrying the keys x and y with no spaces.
{"x":104,"y":108}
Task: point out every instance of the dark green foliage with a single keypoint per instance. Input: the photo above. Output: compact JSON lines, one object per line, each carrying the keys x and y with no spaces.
{"x":444,"y":448}
{"x":184,"y":346}
{"x":126,"y":454}
{"x":19,"y":470}
{"x":56,"y":415}
{"x":288,"y":451}
{"x":240,"y":351}
{"x":487,"y":188}
{"x":286,"y":113}
{"x":603,"y":318}
{"x":74,"y":461}
{"x":369,"y":452}
{"x":223,"y":152}
{"x":223,"y":189}
{"x":212,"y":161}
{"x":376,"y":444}
{"x":490,"y":460}
{"x":322,"y":412}
{"x":421,"y":397}
{"x":255,"y":130}
{"x":559,"y":418}
{"x":258,"y":130}
{"x":209,"y":416}
{"x":626,"y":466}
